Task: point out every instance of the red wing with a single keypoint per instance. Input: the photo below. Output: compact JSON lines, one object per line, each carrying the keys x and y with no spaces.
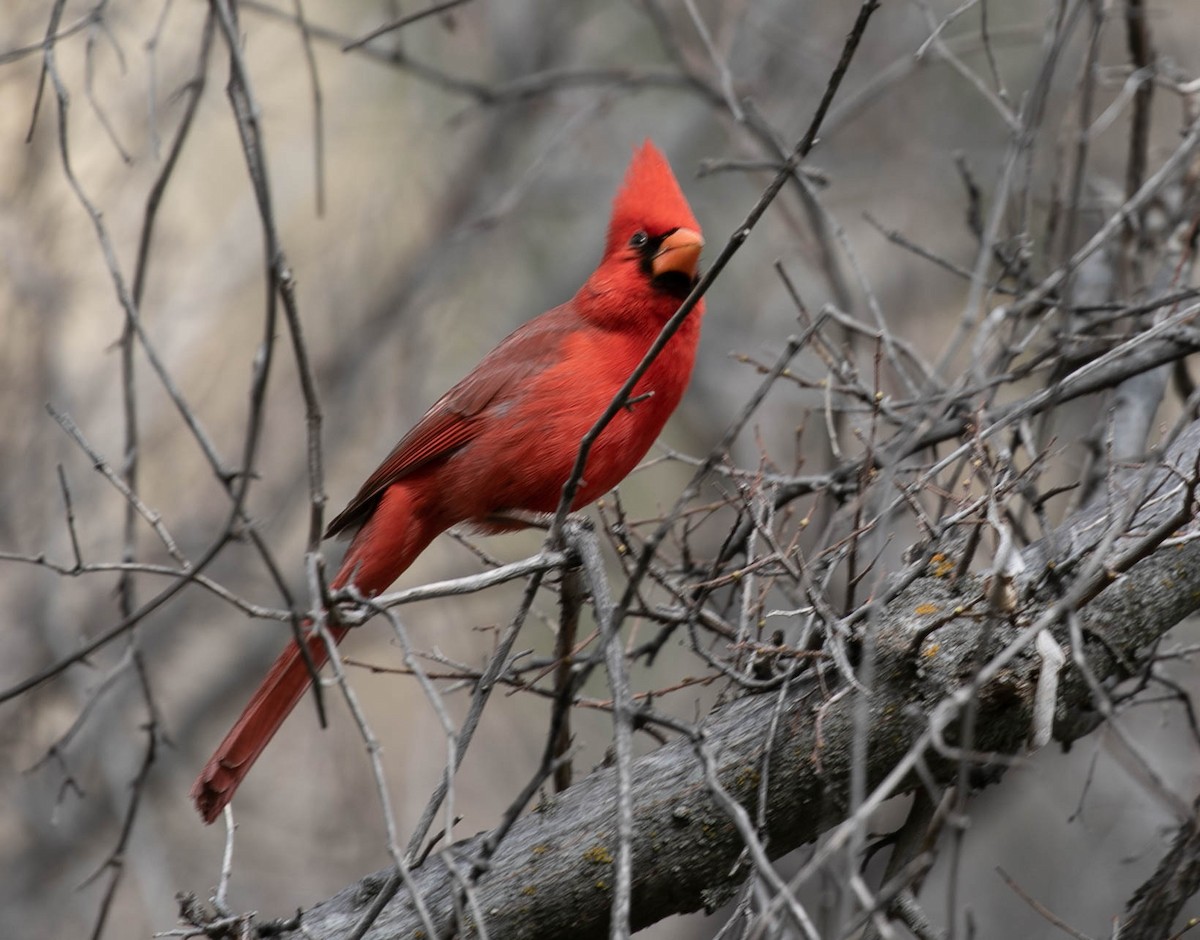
{"x":458,"y":416}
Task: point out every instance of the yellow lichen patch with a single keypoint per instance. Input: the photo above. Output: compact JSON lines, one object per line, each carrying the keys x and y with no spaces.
{"x":940,"y":565}
{"x":598,"y":855}
{"x":529,"y":890}
{"x":747,"y":778}
{"x":601,"y":885}
{"x":931,"y":650}
{"x":540,"y":850}
{"x":922,"y":609}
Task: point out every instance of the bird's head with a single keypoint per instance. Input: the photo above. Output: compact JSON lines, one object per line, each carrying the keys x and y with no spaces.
{"x":652,"y":253}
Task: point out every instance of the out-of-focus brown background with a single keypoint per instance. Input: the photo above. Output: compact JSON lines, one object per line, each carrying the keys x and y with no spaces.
{"x":457,"y":204}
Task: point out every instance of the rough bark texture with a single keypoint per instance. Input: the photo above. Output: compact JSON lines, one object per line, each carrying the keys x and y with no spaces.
{"x":552,"y":874}
{"x":1160,"y":900}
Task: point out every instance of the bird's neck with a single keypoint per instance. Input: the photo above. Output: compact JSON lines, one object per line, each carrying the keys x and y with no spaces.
{"x":610,"y":304}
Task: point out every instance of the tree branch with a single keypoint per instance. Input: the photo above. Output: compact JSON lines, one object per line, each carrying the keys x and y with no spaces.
{"x":553,"y":873}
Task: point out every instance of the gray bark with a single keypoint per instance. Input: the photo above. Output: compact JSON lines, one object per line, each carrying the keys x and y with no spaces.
{"x":552,"y":875}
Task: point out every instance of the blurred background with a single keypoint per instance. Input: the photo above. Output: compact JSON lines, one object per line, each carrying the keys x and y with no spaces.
{"x":459,"y":185}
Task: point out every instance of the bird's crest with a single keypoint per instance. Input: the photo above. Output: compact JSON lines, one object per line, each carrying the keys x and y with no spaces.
{"x":649,"y":198}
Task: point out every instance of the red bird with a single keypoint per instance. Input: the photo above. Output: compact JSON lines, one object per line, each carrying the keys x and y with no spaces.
{"x":504,"y":439}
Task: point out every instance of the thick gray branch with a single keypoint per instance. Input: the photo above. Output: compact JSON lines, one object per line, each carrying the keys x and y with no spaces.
{"x":553,"y":874}
{"x":1159,"y":901}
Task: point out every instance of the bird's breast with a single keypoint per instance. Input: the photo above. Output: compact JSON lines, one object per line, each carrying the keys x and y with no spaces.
{"x":528,"y":442}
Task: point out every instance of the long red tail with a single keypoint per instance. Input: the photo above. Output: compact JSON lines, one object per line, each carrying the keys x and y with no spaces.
{"x":389,"y":542}
{"x":284,"y":686}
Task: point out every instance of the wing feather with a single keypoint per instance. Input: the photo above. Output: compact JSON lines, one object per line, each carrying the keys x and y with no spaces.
{"x":457,"y":417}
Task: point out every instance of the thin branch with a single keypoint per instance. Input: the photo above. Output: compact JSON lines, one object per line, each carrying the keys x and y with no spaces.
{"x":401,"y":22}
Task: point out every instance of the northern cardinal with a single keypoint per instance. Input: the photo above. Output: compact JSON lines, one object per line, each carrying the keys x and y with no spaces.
{"x":504,"y":439}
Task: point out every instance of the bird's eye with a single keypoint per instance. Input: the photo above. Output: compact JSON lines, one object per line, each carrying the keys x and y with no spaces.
{"x":639,"y":240}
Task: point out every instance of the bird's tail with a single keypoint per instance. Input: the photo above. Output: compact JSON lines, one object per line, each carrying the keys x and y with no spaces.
{"x":385,"y":546}
{"x":273,"y":701}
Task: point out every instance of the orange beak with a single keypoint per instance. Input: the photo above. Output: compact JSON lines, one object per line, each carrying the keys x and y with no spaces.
{"x":679,"y":252}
